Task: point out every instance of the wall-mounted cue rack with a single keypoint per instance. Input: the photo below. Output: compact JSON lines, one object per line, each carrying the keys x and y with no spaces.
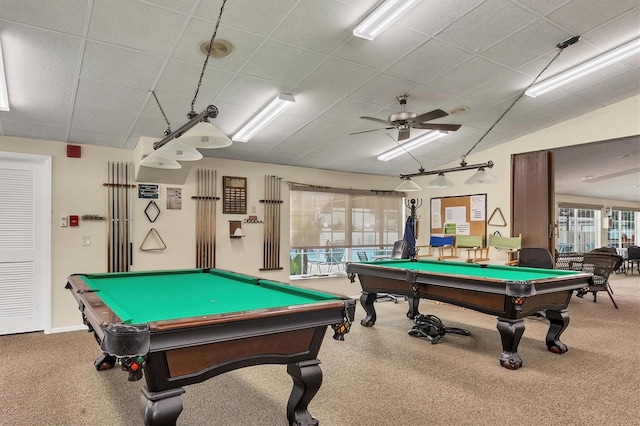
{"x":120,"y":185}
{"x":206,"y":197}
{"x":272,"y":205}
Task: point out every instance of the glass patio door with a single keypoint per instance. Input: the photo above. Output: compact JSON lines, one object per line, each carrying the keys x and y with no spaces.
{"x":578,"y":230}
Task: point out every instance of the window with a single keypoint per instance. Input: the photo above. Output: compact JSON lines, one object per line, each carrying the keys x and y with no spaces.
{"x":578,"y":229}
{"x":352,"y":224}
{"x":624,"y":224}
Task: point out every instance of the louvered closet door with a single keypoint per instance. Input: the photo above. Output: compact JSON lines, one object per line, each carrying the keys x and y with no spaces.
{"x":21,"y":280}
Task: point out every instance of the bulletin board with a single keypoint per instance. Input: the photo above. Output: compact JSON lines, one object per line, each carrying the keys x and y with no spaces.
{"x":459,"y":215}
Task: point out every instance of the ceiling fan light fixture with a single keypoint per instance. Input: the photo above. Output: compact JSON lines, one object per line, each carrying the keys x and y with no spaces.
{"x":157,"y":162}
{"x":440,"y":182}
{"x":273,"y":109}
{"x":612,"y":56}
{"x":407,"y":185}
{"x":411,"y":145}
{"x":481,"y":176}
{"x":4,"y":94}
{"x":382,"y":18}
{"x":204,"y":135}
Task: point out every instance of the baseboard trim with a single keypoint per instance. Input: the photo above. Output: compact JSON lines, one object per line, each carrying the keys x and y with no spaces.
{"x":69,"y":328}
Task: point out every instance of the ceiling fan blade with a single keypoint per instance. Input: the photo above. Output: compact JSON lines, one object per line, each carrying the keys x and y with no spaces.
{"x":403,"y":134}
{"x":375,"y":119}
{"x":431,"y":115}
{"x":374,"y":130}
{"x":434,"y":126}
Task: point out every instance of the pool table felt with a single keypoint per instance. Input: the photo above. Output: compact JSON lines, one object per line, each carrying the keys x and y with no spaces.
{"x":165,"y":295}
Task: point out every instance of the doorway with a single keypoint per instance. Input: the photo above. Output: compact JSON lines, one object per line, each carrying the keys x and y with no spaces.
{"x":25,"y":243}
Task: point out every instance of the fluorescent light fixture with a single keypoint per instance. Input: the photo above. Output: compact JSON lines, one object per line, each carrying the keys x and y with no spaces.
{"x":407,"y":185}
{"x":440,"y":182}
{"x":481,"y":176}
{"x":585,"y":68}
{"x":382,"y":18}
{"x":175,"y":151}
{"x":273,"y":109}
{"x":4,"y":94}
{"x":411,"y":145}
{"x":204,"y":135}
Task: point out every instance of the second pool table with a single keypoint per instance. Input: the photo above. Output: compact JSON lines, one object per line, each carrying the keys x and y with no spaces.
{"x":185,"y":326}
{"x":511,"y":293}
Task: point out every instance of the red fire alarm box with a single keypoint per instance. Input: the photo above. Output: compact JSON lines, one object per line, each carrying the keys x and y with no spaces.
{"x":73,"y":220}
{"x":74,"y":151}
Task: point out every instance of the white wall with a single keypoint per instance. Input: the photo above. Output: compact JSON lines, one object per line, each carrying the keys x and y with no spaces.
{"x":78,"y":189}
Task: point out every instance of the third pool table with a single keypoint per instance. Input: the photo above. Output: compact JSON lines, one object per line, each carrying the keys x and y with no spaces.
{"x":511,"y":293}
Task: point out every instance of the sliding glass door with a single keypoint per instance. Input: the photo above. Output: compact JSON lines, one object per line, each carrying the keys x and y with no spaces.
{"x":578,"y":230}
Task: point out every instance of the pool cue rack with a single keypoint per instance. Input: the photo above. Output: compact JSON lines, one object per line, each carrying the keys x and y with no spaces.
{"x":206,"y":197}
{"x":272,"y":206}
{"x":119,"y":186}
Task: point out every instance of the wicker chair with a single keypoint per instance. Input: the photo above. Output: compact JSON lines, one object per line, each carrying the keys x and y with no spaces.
{"x":600,"y":264}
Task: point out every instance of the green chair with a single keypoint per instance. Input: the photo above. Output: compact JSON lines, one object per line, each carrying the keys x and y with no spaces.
{"x":511,"y":244}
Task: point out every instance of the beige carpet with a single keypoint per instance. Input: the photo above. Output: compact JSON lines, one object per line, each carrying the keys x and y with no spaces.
{"x":377,"y":377}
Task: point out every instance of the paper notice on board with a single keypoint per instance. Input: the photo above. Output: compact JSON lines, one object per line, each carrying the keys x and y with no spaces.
{"x":463,"y":228}
{"x":478,"y":206}
{"x":436,"y":219}
{"x":455,"y":214}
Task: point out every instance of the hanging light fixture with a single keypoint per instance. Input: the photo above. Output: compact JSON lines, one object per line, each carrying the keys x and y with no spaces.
{"x":266,"y":115}
{"x":407,"y":185}
{"x":382,"y":18}
{"x":481,"y":176}
{"x":157,"y":162}
{"x":204,"y":135}
{"x":440,"y":182}
{"x":176,"y":151}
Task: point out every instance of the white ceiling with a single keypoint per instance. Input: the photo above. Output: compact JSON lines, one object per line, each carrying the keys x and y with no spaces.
{"x":82,"y":71}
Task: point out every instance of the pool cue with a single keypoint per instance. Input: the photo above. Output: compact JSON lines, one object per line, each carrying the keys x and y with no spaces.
{"x":215,"y":217}
{"x":206,"y":218}
{"x":270,"y":201}
{"x":198,"y":226}
{"x":274,"y":236}
{"x":278,"y":225}
{"x":110,"y":226}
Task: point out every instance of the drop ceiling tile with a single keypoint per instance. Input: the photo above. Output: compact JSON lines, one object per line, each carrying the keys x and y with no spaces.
{"x":542,"y":6}
{"x":101,"y":121}
{"x":320,"y":25}
{"x":37,"y":48}
{"x":396,"y":42}
{"x":321,"y":131}
{"x":527,"y":44}
{"x":432,"y":16}
{"x":236,"y":152}
{"x":36,"y":84}
{"x":47,"y":111}
{"x":120,"y":66}
{"x":310,"y":104}
{"x":348,"y":111}
{"x":96,"y":138}
{"x":277,"y":131}
{"x":503,"y":89}
{"x":250,"y":92}
{"x":182,"y":6}
{"x":615,"y":32}
{"x":383,"y":89}
{"x":198,"y":30}
{"x":277,"y":157}
{"x":135,"y":24}
{"x":34,"y":130}
{"x":66,"y":16}
{"x":430,"y":98}
{"x":337,"y":77}
{"x":283,"y":63}
{"x":175,"y":107}
{"x":151,"y":127}
{"x":604,"y":74}
{"x":263,"y":16}
{"x":561,"y":107}
{"x":470,"y":75}
{"x":181,"y":78}
{"x":485,"y":25}
{"x":295,"y":146}
{"x":104,"y":96}
{"x":580,"y":16}
{"x":625,"y":84}
{"x":429,"y":61}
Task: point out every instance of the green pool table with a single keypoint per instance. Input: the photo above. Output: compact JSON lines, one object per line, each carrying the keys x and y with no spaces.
{"x":185,"y":326}
{"x":510,"y":293}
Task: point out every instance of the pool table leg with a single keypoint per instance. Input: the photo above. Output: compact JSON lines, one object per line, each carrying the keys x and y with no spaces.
{"x":307,"y":378}
{"x":414,"y":302}
{"x":366,"y":300}
{"x":161,"y":408}
{"x":510,"y":332}
{"x":558,"y":322}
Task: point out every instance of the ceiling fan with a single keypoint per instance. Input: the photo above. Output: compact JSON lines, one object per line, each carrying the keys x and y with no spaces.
{"x":404,"y":121}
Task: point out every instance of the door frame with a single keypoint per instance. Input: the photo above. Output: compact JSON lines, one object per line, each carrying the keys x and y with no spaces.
{"x":42,"y":204}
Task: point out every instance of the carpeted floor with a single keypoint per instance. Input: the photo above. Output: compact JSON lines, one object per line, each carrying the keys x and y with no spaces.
{"x":378,"y":376}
